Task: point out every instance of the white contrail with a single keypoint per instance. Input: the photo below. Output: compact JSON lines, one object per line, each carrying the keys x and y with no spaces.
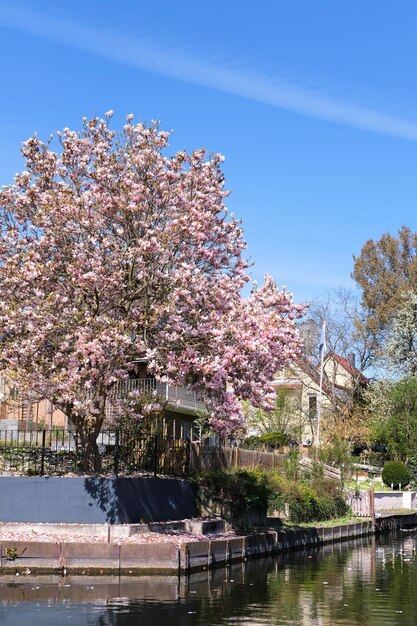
{"x":175,"y":63}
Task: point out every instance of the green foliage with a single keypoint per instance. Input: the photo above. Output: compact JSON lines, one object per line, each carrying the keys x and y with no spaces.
{"x":11,"y":554}
{"x":303,"y":506}
{"x":292,"y":464}
{"x":327,"y":486}
{"x":317,"y":499}
{"x":267,"y":441}
{"x":394,"y":419}
{"x":395,"y":473}
{"x":401,"y":427}
{"x":259,"y":491}
{"x":245,"y":491}
{"x":308,"y":505}
{"x":275,"y":440}
{"x":277,"y":484}
{"x":281,"y":419}
{"x":402,"y":344}
{"x":251,"y":443}
{"x":412,"y":468}
{"x":338,"y":454}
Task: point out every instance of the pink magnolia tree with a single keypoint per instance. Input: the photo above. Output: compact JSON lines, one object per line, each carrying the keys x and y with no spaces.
{"x":112,"y":252}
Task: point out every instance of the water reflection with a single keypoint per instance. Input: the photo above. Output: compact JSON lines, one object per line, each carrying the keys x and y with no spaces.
{"x":365,"y":582}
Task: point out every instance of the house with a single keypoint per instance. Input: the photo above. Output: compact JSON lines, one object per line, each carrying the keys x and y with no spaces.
{"x":18,"y":412}
{"x":298,"y":385}
{"x":342,"y":373}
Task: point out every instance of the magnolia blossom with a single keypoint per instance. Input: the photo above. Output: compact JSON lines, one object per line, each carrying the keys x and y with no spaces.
{"x":112,"y":252}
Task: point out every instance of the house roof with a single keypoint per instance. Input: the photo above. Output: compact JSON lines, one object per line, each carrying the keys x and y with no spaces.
{"x":287,"y":385}
{"x":353,"y":371}
{"x":311,"y":370}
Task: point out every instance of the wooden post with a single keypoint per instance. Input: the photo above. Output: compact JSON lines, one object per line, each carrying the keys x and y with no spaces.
{"x":155,"y":455}
{"x":372,"y":508}
{"x":43,"y":452}
{"x":116,"y":453}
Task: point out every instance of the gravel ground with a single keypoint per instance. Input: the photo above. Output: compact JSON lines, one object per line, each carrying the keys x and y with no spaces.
{"x":147,"y":537}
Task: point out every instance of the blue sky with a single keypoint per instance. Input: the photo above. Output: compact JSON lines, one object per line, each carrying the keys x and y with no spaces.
{"x":313,"y":104}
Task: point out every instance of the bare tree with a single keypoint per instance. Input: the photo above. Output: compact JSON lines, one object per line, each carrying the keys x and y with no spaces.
{"x":347,"y":333}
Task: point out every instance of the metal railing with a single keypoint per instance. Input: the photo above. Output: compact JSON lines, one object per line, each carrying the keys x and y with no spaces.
{"x":59,"y":452}
{"x":174,"y":395}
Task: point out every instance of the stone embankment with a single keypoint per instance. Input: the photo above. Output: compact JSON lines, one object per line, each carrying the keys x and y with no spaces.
{"x":176,"y":547}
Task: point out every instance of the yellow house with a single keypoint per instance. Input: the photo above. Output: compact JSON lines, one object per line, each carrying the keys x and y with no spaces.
{"x":299,"y":386}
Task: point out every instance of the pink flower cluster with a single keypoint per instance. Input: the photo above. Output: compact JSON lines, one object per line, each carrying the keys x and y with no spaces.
{"x":110,"y":252}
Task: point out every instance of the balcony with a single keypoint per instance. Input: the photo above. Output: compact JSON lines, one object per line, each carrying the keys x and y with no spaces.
{"x":178,"y":398}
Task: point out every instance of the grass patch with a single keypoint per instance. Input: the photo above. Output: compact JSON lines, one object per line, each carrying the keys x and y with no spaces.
{"x":339,"y":521}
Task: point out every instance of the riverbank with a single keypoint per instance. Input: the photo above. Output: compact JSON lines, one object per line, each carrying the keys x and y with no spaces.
{"x":168,"y":552}
{"x":349,"y":582}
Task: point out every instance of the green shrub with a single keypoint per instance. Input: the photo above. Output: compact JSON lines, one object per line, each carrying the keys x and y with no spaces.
{"x":341,"y":507}
{"x":292,"y":464}
{"x":306,"y":505}
{"x":303,"y":506}
{"x":276,"y":480}
{"x":259,"y":491}
{"x":395,"y":473}
{"x":275,"y":440}
{"x":252,"y":443}
{"x":268,"y":441}
{"x":412,"y":468}
{"x":277,"y":485}
{"x":245,"y":491}
{"x":338,"y":454}
{"x":326,"y":486}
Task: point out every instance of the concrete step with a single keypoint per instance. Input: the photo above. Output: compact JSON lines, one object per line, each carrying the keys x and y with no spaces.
{"x":196,"y":525}
{"x":115,"y":531}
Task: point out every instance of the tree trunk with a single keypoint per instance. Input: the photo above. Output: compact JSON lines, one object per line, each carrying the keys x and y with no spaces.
{"x":87,"y":429}
{"x":90,"y":458}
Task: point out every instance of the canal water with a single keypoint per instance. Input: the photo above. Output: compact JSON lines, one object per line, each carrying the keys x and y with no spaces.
{"x":371,"y":582}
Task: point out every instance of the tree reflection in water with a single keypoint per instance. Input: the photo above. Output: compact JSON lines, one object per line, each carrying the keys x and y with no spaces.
{"x":364,"y":582}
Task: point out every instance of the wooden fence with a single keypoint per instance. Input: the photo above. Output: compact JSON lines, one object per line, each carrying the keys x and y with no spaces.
{"x":203,"y":457}
{"x":328,"y":470}
{"x":360,"y":502}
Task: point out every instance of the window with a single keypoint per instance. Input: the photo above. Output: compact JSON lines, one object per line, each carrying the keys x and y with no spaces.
{"x":185,"y":430}
{"x":312,"y":407}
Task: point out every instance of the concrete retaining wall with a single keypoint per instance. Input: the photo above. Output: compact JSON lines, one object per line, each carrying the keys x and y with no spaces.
{"x":395,"y":500}
{"x":94,"y":558}
{"x":396,"y":522}
{"x":95,"y":500}
{"x":409,"y":500}
{"x":388,"y":500}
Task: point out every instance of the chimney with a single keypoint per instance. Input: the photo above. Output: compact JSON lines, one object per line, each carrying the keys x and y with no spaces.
{"x":351,"y":358}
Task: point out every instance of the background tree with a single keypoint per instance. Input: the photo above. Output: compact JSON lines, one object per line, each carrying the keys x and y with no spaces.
{"x":392,"y":410}
{"x":348,"y":336}
{"x":402,"y":341}
{"x":347,"y":332}
{"x":286,"y":416}
{"x":383,"y":271}
{"x":111,"y":252}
